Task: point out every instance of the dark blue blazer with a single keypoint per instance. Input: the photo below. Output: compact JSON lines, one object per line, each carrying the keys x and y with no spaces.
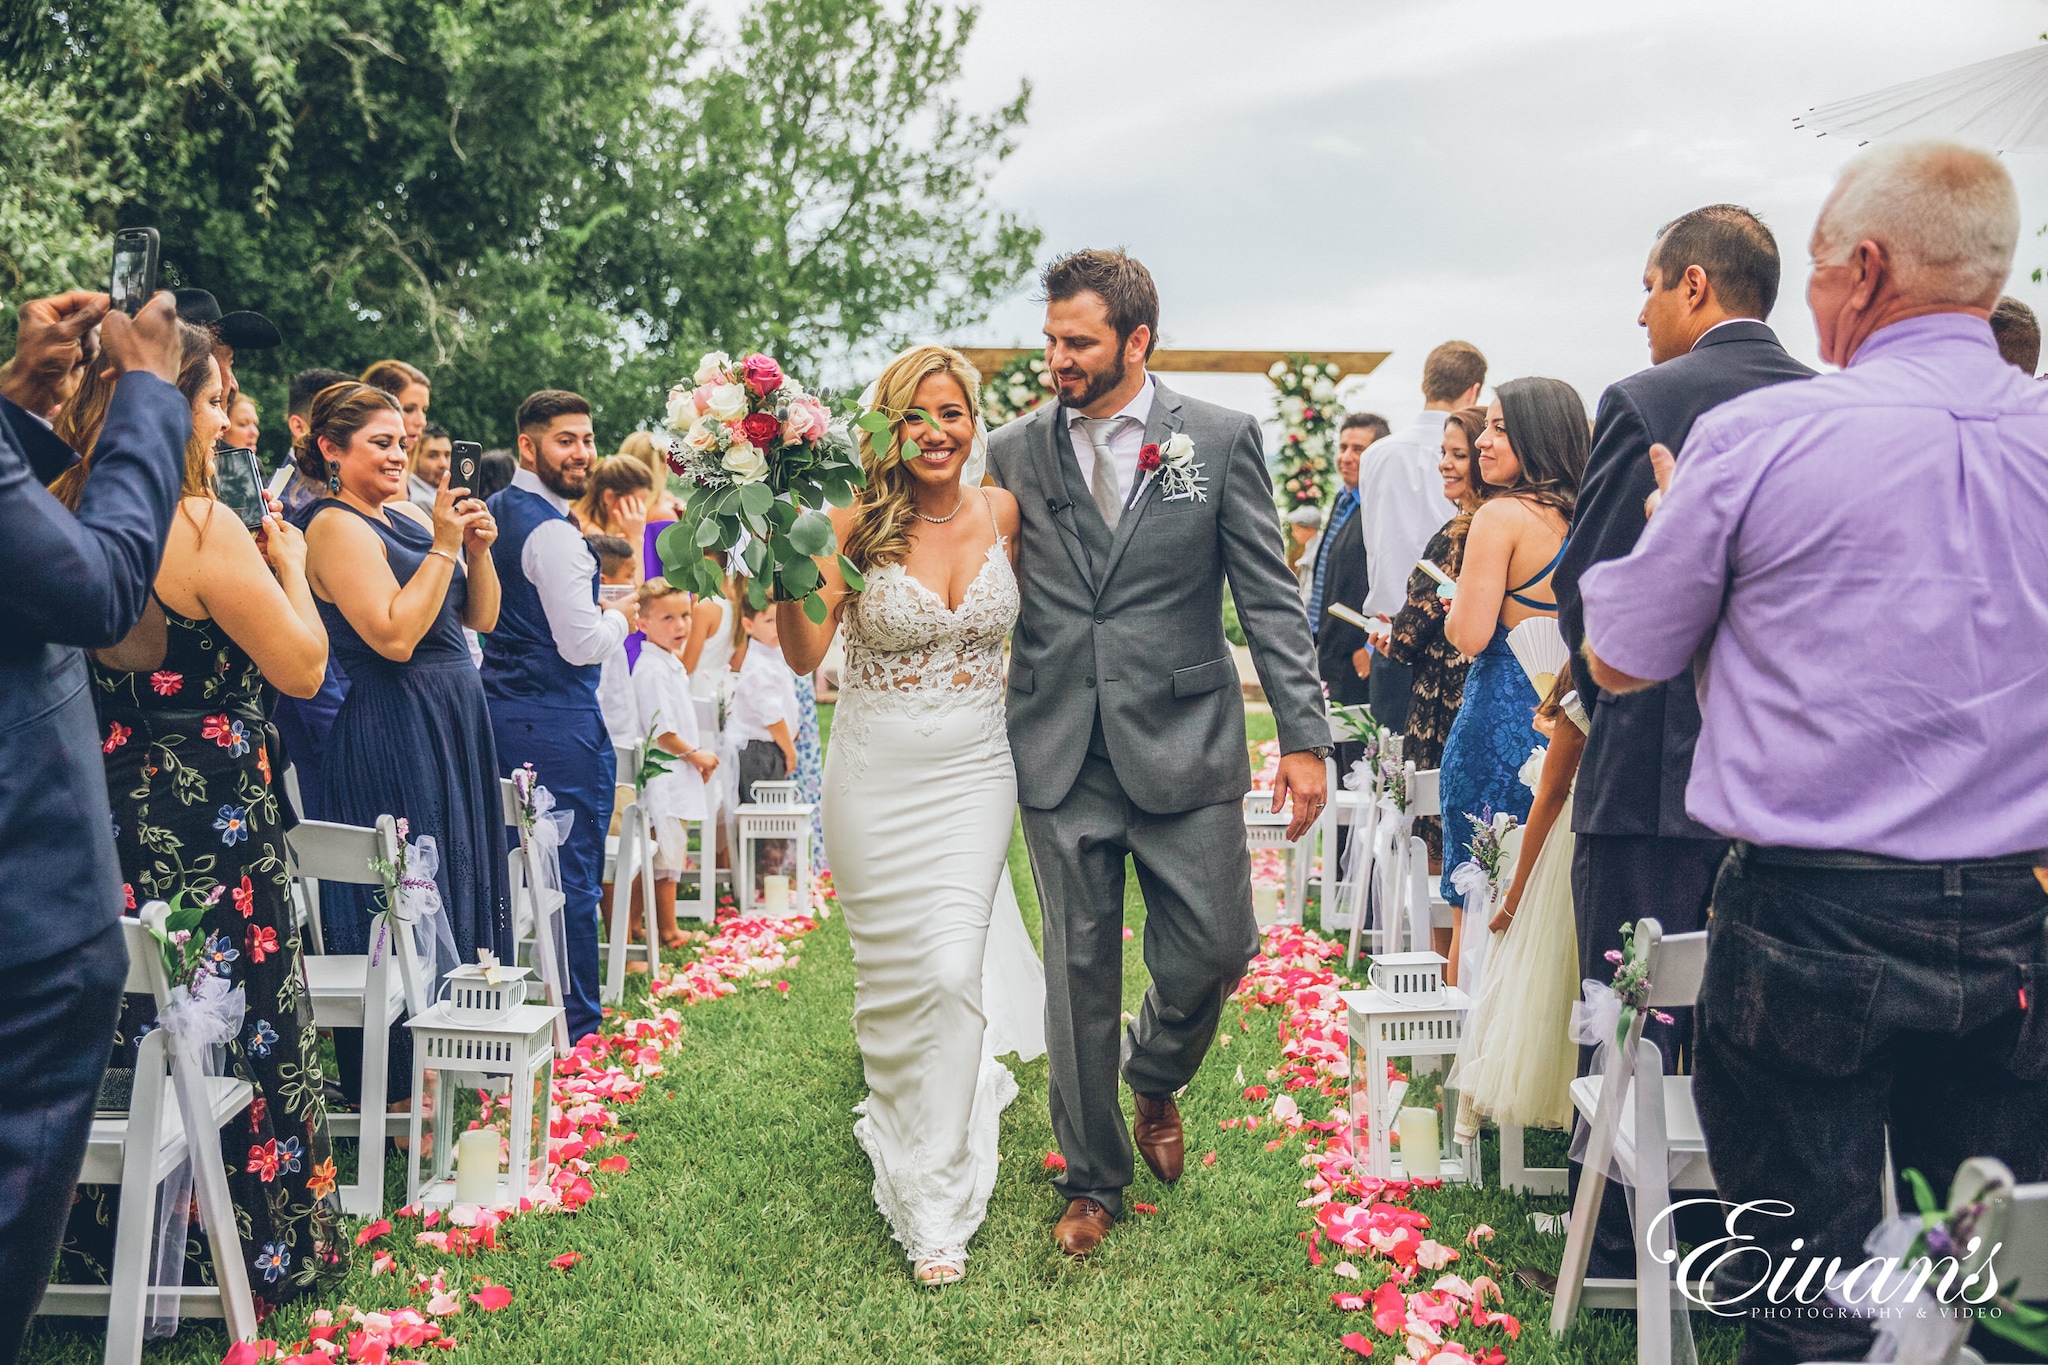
{"x":1344,"y":581}
{"x":70,"y":582}
{"x":1639,"y":754}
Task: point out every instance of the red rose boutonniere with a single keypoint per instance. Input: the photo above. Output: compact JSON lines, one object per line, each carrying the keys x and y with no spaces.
{"x":1148,"y":458}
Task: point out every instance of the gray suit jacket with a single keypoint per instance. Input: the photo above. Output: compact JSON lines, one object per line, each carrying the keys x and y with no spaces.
{"x":1133,"y":625}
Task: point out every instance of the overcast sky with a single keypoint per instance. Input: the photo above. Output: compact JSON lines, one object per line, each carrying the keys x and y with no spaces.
{"x":1385,"y":174}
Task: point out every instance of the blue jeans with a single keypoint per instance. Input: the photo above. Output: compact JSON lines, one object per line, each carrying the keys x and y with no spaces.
{"x":572,"y":757}
{"x":1838,"y":1000}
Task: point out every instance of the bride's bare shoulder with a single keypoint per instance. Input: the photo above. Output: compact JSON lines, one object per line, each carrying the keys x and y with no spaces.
{"x":1003,"y":503}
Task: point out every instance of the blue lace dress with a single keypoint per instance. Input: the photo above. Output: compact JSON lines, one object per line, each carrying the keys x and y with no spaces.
{"x":1490,"y":740}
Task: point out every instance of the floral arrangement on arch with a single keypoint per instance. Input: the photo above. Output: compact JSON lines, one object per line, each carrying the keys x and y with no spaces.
{"x":1306,"y":404}
{"x":760,"y":457}
{"x":1021,"y":384}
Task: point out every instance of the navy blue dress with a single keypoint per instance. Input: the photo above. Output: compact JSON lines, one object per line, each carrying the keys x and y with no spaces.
{"x":1491,"y":739}
{"x":413,"y":739}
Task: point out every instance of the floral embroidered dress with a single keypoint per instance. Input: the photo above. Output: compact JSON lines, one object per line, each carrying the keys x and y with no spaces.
{"x":196,"y":807}
{"x":1439,"y":682}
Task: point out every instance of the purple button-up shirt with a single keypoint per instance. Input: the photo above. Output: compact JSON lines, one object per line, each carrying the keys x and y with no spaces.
{"x":1864,"y":559}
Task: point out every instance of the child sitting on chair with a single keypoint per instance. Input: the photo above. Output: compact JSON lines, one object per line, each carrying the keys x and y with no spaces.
{"x":661,"y":687}
{"x":762,"y":725}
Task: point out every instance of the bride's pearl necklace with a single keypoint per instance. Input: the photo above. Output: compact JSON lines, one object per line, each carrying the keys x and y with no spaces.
{"x":958,"y":503}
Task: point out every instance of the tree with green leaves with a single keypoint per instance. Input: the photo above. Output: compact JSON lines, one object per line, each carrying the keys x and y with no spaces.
{"x":517,"y":194}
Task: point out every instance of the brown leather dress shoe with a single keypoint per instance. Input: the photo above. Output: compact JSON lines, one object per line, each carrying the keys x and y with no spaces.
{"x":1159,"y":1138}
{"x":1082,"y":1227}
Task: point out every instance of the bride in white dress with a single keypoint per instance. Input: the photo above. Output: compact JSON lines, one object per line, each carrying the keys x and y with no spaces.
{"x":920,"y":797}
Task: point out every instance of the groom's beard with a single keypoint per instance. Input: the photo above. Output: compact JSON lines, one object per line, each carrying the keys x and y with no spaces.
{"x":1099,"y":383}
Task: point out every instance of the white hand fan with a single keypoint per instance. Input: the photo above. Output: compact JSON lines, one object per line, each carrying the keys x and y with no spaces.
{"x":1539,"y":648}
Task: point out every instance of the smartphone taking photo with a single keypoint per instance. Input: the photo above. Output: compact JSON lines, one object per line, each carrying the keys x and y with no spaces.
{"x":238,"y":482}
{"x":132,"y":281}
{"x":463,"y":458}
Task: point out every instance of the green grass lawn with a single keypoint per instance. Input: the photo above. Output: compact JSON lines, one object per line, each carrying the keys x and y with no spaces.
{"x":745,"y":1230}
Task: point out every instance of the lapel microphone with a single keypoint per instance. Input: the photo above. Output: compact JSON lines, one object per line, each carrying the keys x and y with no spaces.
{"x":1055,"y":506}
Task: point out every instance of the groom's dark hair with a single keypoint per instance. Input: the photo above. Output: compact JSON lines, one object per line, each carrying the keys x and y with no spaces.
{"x":1124,"y":286}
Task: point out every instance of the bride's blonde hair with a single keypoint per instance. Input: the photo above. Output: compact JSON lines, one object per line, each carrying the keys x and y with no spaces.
{"x":882,"y":511}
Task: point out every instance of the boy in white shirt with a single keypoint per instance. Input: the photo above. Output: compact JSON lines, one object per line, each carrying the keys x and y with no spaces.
{"x":616,"y":568}
{"x":661,"y":688}
{"x":762,"y":723}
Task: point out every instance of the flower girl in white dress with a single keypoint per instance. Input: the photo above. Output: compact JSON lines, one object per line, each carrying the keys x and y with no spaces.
{"x":661,"y":688}
{"x":1519,"y":1059}
{"x":920,"y":798}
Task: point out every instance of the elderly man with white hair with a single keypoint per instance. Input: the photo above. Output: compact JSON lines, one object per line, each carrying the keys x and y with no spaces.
{"x":1863,"y":559}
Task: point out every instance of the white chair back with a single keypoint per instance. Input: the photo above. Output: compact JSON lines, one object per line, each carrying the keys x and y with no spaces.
{"x":542,"y":912}
{"x":322,"y":850}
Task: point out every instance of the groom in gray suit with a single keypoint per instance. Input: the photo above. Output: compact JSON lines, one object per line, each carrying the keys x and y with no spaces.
{"x":1126,"y":718}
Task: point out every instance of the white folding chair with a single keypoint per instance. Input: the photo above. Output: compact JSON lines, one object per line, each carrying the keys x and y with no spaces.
{"x":174,"y":1114}
{"x":303,"y":895}
{"x":629,"y":867}
{"x":369,"y":991}
{"x":534,"y":914}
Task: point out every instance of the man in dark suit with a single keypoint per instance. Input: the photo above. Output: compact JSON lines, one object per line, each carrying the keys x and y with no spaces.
{"x":1711,"y":280}
{"x":71,"y":580}
{"x":1342,"y":660}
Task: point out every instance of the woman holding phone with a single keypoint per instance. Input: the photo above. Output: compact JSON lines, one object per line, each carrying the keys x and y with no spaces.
{"x":396,"y":584}
{"x":196,"y":810}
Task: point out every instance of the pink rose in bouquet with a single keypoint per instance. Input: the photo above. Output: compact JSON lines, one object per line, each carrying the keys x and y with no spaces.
{"x":807,"y":419}
{"x":700,"y":397}
{"x":762,"y":374}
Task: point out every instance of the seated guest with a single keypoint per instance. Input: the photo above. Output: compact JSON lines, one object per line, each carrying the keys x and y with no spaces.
{"x":411,"y":387}
{"x":413,"y":739}
{"x":73,"y":579}
{"x":195,"y":809}
{"x":2018,"y":333}
{"x":1404,"y":505}
{"x":1532,"y":452}
{"x":1339,"y":579}
{"x":1415,"y":638}
{"x":763,"y":722}
{"x":427,"y":464}
{"x":541,"y":666}
{"x":1877,"y":959}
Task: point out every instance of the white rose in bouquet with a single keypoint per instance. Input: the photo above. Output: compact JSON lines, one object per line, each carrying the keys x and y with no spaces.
{"x":680,"y":409}
{"x":1291,"y":408}
{"x":727,"y":402}
{"x":1279,"y":368}
{"x":703,"y":434}
{"x":1323,"y":391}
{"x":711,"y":367}
{"x":1019,"y":395}
{"x":745,"y":463}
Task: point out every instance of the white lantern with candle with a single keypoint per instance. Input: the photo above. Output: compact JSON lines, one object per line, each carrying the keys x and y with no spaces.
{"x":517,"y":1046}
{"x":1266,"y":904}
{"x":775,"y":896}
{"x":1421,"y":1149}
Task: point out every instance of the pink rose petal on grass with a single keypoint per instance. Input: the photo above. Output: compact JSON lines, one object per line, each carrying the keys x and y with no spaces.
{"x":615,"y":1164}
{"x":1389,"y":1309}
{"x":1208,"y":1158}
{"x":1146,"y":1208}
{"x":566,"y":1259}
{"x":444,"y":1304}
{"x":1055,"y":1162}
{"x":383,"y":1264}
{"x":1433,"y":1255}
{"x":1356,"y":1342}
{"x":1345,"y":1269}
{"x":491,"y":1297}
{"x":1478,"y":1235}
{"x":373,"y":1231}
{"x":1129,"y":933}
{"x":1349,"y":1303}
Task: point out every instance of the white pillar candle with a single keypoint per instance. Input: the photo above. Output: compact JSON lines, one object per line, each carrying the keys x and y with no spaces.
{"x":1420,"y":1144}
{"x":1266,"y":904}
{"x":476,"y":1167}
{"x":775,"y":894}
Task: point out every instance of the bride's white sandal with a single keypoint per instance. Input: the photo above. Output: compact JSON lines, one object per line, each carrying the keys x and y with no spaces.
{"x":938,"y":1270}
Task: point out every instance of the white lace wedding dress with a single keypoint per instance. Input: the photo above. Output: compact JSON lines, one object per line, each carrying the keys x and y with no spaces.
{"x":920,"y":796}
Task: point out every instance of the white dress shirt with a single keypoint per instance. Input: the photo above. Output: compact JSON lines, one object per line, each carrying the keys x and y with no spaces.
{"x":1401,"y":504}
{"x":618,"y":701}
{"x":766,"y":693}
{"x":557,"y":561}
{"x":1126,"y":439}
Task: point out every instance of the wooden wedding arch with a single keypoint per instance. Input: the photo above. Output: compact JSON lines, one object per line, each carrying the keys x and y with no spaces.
{"x":989,"y":359}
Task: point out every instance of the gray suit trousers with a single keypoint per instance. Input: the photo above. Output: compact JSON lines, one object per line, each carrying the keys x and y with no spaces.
{"x":1195,"y":873}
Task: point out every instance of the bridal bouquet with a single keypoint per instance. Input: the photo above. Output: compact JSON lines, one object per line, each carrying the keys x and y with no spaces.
{"x":761,"y":456}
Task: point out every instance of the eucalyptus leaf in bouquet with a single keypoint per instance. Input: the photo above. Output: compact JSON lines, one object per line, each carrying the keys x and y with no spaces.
{"x":761,"y":458}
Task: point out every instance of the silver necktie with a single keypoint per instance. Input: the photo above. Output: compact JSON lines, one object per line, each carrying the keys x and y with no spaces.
{"x":1108,"y":497}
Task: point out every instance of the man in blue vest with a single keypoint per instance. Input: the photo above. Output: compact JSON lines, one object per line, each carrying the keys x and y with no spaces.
{"x":541,"y":663}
